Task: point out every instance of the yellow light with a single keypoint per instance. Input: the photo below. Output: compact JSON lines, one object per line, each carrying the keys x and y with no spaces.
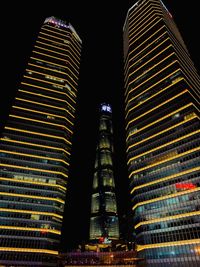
{"x":168,"y":218}
{"x":168,"y":244}
{"x":32,"y":250}
{"x":166,"y":197}
{"x":30,"y":229}
{"x":165,"y":160}
{"x":33,"y":169}
{"x":165,"y":179}
{"x":32,"y":212}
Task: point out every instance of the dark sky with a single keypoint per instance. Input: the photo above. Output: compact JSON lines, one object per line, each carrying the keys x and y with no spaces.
{"x":99,"y":25}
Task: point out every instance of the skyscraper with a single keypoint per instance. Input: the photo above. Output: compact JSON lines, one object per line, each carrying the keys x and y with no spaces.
{"x":104,"y":219}
{"x":35,"y":149}
{"x":162,"y":137}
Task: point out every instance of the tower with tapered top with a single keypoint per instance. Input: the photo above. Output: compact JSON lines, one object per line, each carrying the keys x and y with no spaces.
{"x":104,"y":225}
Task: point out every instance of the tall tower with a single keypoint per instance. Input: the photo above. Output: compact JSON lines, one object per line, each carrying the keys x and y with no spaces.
{"x":35,"y":149}
{"x":104,"y":218}
{"x":162,"y":137}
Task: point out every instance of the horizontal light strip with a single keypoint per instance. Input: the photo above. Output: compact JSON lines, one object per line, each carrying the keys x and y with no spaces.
{"x":43,"y":122}
{"x":54,"y":70}
{"x":53,"y":51}
{"x":44,"y":113}
{"x":168,"y":244}
{"x":37,"y":133}
{"x":44,"y":74}
{"x":154,"y":48}
{"x":164,"y":117}
{"x":158,"y":106}
{"x":32,"y":156}
{"x":47,"y":89}
{"x":32,"y":212}
{"x":32,"y":144}
{"x":66,"y":62}
{"x":32,"y":197}
{"x":165,"y":160}
{"x":31,"y":250}
{"x":31,"y":182}
{"x":166,"y":197}
{"x":18,"y":228}
{"x":165,"y":178}
{"x":32,"y":169}
{"x":65,"y":50}
{"x":164,"y":145}
{"x":166,"y":130}
{"x":46,"y":105}
{"x":155,"y":94}
{"x":141,"y":51}
{"x":45,"y":96}
{"x":152,"y":76}
{"x":168,"y":218}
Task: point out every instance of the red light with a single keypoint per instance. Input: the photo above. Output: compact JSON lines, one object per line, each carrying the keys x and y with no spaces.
{"x":185,"y":186}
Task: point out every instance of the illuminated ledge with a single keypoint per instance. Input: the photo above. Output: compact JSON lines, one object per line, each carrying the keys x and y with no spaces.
{"x":32,"y":250}
{"x":168,"y":244}
{"x":44,"y":230}
{"x":168,"y":218}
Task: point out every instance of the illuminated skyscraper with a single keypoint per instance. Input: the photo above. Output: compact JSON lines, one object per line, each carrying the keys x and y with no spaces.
{"x":104,"y":218}
{"x":162,"y":127}
{"x":35,"y":149}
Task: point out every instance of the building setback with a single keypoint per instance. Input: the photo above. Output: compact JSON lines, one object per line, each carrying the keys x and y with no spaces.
{"x":162,"y":137}
{"x":104,"y":225}
{"x":35,"y":149}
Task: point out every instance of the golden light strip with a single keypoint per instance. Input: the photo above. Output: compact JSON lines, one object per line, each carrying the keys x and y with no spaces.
{"x":46,"y":105}
{"x":32,"y":156}
{"x":149,"y":88}
{"x":32,"y":144}
{"x":31,"y":182}
{"x":33,"y":169}
{"x":32,"y":250}
{"x":53,"y":51}
{"x":164,"y":145}
{"x":164,"y":131}
{"x":156,"y":121}
{"x":61,"y":59}
{"x":65,"y":50}
{"x":165,"y":160}
{"x":47,"y":89}
{"x":154,"y":75}
{"x":43,"y":122}
{"x":168,"y":218}
{"x":165,"y":197}
{"x":54,"y":70}
{"x":168,"y":244}
{"x":44,"y":74}
{"x":158,"y":106}
{"x":45,"y":96}
{"x":165,"y":178}
{"x":152,"y":50}
{"x":18,"y":228}
{"x":32,"y":197}
{"x":37,"y":133}
{"x":44,"y":113}
{"x":31,"y":212}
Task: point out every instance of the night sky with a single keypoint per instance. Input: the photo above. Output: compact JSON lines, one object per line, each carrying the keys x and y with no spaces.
{"x":99,"y":25}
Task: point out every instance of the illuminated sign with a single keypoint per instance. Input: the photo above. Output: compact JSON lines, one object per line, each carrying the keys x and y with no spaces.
{"x":185,"y":186}
{"x":106,"y":108}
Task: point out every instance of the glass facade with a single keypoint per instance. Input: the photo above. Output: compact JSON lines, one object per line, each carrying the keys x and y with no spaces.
{"x":35,"y":149}
{"x":104,"y":218}
{"x":162,"y":137}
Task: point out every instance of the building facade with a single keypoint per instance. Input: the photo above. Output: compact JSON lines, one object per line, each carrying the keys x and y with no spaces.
{"x":35,"y":149}
{"x":162,"y":137}
{"x":104,"y":226}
